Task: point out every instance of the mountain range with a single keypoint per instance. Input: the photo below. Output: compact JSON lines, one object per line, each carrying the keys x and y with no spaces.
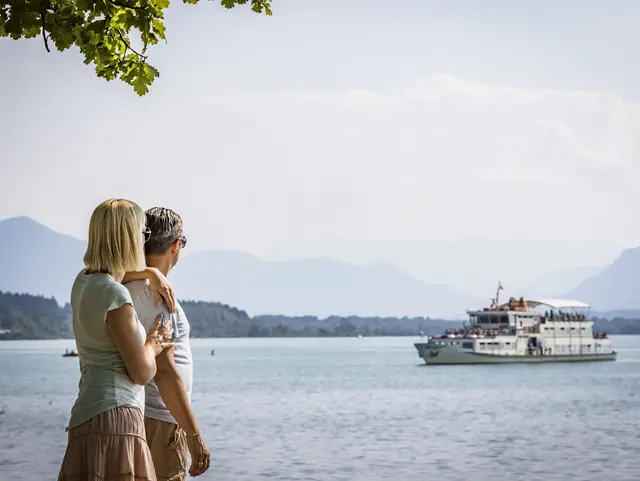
{"x":39,"y":260}
{"x":320,"y":287}
{"x":616,"y":287}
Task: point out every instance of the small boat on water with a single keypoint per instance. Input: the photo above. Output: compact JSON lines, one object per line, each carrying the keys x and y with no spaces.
{"x":516,"y":332}
{"x":68,"y":353}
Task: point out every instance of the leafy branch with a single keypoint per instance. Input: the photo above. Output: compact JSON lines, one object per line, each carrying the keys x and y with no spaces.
{"x":127,"y":45}
{"x":133,"y":7}
{"x":43,"y":14}
{"x":101,"y":30}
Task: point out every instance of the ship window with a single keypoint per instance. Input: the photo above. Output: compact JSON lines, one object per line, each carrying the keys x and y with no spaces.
{"x":507,"y":343}
{"x":483,"y":343}
{"x":467,"y":345}
{"x":504,"y":320}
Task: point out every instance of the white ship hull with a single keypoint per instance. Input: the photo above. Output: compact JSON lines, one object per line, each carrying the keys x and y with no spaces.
{"x":518,"y":333}
{"x":438,"y":355}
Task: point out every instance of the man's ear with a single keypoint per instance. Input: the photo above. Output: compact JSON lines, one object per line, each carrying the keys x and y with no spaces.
{"x":175,"y":245}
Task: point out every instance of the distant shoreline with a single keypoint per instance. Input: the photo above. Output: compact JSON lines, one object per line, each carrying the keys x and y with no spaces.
{"x":269,"y":337}
{"x":39,"y":318}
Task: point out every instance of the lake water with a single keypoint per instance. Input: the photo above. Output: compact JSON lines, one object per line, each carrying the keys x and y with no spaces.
{"x":357,"y":409}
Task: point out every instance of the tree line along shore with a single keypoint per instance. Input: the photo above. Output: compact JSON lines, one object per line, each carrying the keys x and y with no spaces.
{"x":26,"y":316}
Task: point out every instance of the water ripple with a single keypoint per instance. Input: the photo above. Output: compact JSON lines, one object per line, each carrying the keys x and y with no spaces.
{"x":348,"y":409}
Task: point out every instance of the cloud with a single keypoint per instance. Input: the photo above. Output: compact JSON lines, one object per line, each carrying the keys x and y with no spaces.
{"x":441,"y":158}
{"x":447,"y":156}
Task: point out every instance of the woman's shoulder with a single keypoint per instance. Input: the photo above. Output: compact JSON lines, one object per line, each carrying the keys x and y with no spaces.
{"x":115,"y":294}
{"x":103,"y":290}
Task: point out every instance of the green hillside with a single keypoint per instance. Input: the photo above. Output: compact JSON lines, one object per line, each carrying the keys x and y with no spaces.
{"x":24,"y":316}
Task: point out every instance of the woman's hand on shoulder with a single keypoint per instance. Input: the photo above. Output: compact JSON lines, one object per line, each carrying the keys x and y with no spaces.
{"x":161,"y":288}
{"x":159,"y":336}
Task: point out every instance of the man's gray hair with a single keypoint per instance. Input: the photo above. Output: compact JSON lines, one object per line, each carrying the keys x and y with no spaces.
{"x":166,"y":228}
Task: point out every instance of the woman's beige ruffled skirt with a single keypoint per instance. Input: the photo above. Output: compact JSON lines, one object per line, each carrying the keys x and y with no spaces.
{"x":109,"y":447}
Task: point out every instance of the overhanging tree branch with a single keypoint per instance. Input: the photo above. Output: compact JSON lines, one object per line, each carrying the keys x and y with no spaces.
{"x":43,"y":14}
{"x":143,"y":57}
{"x":123,"y":5}
{"x":69,"y":23}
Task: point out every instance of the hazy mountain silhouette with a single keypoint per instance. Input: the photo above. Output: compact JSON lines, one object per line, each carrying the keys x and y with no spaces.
{"x":616,"y":287}
{"x":39,"y":260}
{"x":558,"y":282}
{"x":320,"y":287}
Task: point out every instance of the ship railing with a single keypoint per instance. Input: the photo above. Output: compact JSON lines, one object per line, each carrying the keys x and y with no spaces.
{"x":475,"y":335}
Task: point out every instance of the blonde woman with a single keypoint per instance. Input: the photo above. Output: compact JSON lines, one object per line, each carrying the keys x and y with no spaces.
{"x":106,"y":430}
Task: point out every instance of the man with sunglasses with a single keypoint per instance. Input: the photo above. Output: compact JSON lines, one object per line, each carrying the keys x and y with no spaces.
{"x":171,"y":426}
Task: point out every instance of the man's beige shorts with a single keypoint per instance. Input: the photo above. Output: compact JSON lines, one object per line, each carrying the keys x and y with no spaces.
{"x":168,"y":445}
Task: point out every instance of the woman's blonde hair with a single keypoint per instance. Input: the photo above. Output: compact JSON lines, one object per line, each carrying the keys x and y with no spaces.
{"x":116,"y":238}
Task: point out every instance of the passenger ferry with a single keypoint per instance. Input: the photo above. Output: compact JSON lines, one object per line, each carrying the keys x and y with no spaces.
{"x":521,"y":331}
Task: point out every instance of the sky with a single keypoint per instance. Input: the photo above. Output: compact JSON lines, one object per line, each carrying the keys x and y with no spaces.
{"x":466,"y":142}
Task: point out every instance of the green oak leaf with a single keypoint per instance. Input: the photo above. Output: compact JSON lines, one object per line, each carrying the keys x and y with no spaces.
{"x":158,"y":28}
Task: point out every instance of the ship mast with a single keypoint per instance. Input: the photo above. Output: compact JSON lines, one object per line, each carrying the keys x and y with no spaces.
{"x":496,"y":301}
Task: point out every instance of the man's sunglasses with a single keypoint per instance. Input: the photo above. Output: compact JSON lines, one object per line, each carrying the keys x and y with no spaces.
{"x":146,"y":233}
